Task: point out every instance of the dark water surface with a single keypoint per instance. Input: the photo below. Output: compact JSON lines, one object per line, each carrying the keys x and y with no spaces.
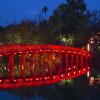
{"x":79,"y":90}
{"x":21,"y":94}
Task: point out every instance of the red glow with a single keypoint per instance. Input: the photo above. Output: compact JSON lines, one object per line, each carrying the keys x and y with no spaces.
{"x":50,"y":73}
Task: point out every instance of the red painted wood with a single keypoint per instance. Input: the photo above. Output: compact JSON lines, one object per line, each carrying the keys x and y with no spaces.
{"x":52,"y":68}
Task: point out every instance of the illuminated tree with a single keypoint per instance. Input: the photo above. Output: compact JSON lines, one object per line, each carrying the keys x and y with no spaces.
{"x":66,"y":40}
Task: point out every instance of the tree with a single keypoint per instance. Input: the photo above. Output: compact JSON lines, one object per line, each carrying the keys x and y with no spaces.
{"x":44,"y":10}
{"x":94,"y":21}
{"x":71,"y":18}
{"x":24,"y":32}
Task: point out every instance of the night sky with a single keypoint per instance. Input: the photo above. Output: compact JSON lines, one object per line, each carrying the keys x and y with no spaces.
{"x":11,"y":10}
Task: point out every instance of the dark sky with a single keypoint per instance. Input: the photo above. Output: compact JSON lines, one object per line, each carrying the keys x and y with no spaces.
{"x":11,"y":10}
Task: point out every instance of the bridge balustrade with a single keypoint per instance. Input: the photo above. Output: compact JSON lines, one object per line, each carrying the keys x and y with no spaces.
{"x":33,"y":65}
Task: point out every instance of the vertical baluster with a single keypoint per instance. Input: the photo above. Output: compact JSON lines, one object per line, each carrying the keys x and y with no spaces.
{"x":60,"y":69}
{"x":74,"y":60}
{"x":8,"y":67}
{"x":82,"y":61}
{"x":11,"y":66}
{"x":30,"y":64}
{"x":86,"y":61}
{"x":49,"y":56}
{"x":53,"y":61}
{"x":90,"y":60}
{"x":0,"y":70}
{"x":34,"y":63}
{"x":66,"y":62}
{"x":49,"y":61}
{"x":21,"y":61}
{"x":72,"y":66}
{"x":24,"y":65}
{"x":44,"y":64}
{"x":39,"y":62}
{"x":77,"y":62}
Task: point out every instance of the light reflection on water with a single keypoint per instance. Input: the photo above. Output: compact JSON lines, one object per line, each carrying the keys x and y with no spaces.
{"x":53,"y":92}
{"x":20,"y":94}
{"x":8,"y":96}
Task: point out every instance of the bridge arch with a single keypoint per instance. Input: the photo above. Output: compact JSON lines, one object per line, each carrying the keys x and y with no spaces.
{"x":33,"y":65}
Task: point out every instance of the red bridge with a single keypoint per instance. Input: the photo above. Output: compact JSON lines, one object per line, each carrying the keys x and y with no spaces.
{"x":34,"y":65}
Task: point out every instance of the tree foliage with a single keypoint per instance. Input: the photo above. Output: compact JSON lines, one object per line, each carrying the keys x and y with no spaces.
{"x":94,"y":21}
{"x":71,"y":18}
{"x":26,"y":32}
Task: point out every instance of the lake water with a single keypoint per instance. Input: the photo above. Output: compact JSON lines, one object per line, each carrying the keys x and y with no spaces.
{"x":20,"y":94}
{"x":78,"y":91}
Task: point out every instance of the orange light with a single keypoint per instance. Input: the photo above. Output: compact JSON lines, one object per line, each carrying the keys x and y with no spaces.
{"x":53,"y":57}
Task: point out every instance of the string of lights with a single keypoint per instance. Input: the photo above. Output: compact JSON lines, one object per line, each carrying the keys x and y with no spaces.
{"x":41,"y":64}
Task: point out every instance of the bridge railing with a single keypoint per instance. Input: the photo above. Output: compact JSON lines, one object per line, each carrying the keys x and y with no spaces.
{"x":42,"y":61}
